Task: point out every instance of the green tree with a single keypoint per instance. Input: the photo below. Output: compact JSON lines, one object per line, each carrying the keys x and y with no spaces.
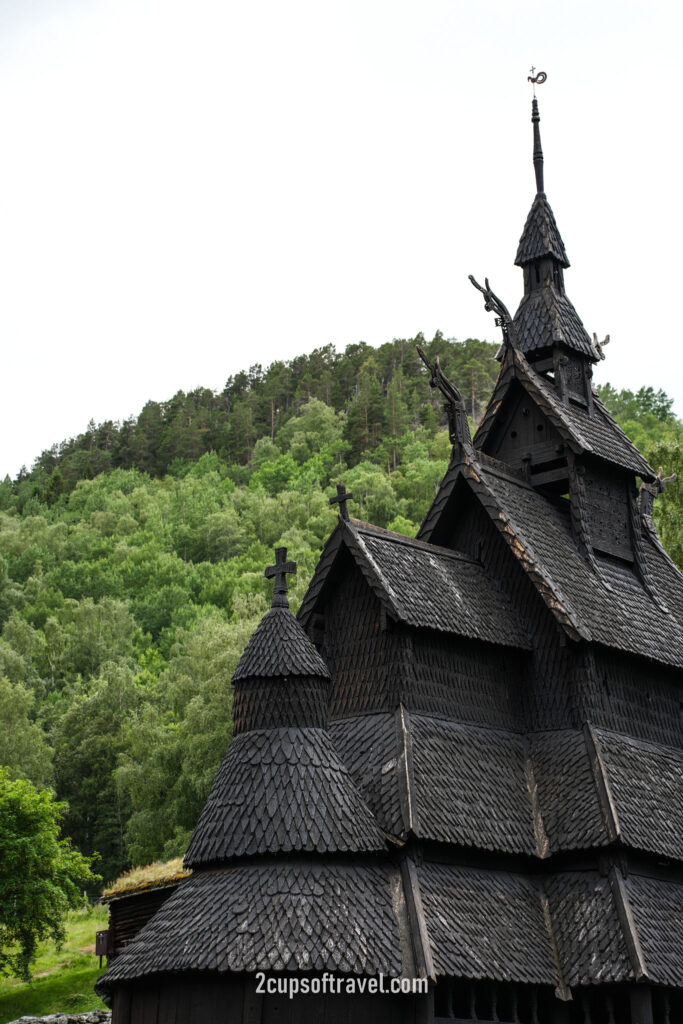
{"x":396,"y":416}
{"x":175,"y":747}
{"x":364,"y":418}
{"x":24,"y":750}
{"x":90,"y":736}
{"x":41,"y":875}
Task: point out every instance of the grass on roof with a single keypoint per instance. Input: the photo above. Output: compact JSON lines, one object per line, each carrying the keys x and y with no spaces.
{"x":147,"y":877}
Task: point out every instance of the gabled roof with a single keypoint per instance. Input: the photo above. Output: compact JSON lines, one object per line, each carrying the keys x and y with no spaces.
{"x":421,"y":585}
{"x":609,"y":606}
{"x":546,"y":317}
{"x":541,"y":236}
{"x":594,"y":433}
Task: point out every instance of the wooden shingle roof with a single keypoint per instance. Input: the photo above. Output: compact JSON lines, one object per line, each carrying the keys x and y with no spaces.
{"x":546,"y":317}
{"x":541,"y":236}
{"x":586,"y":432}
{"x":610,"y":606}
{"x":274,"y":916}
{"x":279,"y":647}
{"x":422,"y":585}
{"x":282,"y":791}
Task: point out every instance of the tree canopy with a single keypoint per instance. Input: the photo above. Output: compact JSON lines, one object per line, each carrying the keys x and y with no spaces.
{"x":41,"y":875}
{"x":131,"y":565}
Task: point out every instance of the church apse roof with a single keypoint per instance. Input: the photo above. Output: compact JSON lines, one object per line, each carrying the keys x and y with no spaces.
{"x":278,"y":916}
{"x":282,"y":790}
{"x":281,"y":787}
{"x":273,"y":885}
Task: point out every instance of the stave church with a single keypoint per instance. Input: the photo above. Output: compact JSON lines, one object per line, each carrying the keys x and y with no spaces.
{"x":455,"y":791}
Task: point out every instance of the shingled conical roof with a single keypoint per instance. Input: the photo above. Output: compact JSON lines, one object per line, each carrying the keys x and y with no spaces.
{"x":546,"y":317}
{"x":541,"y":235}
{"x":282,"y":787}
{"x":279,"y":647}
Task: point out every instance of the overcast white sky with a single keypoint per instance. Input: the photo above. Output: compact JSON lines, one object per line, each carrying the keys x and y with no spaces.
{"x":187,"y":188}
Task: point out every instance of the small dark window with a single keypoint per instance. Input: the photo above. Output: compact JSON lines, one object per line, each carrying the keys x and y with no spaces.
{"x":513,"y":433}
{"x":539,"y":428}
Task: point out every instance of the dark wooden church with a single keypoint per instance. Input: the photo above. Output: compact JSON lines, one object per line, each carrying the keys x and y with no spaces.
{"x":463,"y":761}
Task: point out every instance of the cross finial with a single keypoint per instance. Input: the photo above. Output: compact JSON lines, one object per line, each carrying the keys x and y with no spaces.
{"x":280,"y":571}
{"x":342,"y":497}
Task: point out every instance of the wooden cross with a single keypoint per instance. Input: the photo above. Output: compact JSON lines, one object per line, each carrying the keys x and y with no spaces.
{"x":280,"y":571}
{"x":342,"y":497}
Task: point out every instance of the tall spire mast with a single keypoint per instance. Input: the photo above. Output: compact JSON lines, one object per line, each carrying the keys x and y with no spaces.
{"x":535,"y":80}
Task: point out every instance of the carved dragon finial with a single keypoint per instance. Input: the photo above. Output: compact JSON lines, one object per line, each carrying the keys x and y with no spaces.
{"x":652,"y":489}
{"x":661,"y":481}
{"x":598,"y":346}
{"x":503,"y":319}
{"x":458,"y":427}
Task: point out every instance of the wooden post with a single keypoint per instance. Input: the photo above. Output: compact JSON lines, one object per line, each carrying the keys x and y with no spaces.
{"x":641,"y":1005}
{"x":424,"y":1006}
{"x":560,"y":1012}
{"x":121,"y":1014}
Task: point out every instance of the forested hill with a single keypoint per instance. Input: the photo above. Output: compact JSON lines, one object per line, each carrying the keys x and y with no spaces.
{"x":381,"y":393}
{"x":131,"y":565}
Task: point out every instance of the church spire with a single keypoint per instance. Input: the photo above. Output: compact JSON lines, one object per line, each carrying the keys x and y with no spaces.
{"x":538,"y":152}
{"x":546,"y":319}
{"x":541,"y":237}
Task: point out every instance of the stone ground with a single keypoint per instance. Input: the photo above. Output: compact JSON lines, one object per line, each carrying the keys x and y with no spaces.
{"x":94,"y":1017}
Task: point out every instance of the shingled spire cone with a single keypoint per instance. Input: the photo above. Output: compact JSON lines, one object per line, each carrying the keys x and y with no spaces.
{"x":282,"y":786}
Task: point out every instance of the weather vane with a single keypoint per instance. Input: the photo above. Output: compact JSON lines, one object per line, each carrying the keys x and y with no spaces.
{"x":536,"y":79}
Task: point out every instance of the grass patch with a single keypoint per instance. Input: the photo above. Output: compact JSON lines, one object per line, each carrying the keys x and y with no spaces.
{"x":148,"y":876}
{"x":63,"y":979}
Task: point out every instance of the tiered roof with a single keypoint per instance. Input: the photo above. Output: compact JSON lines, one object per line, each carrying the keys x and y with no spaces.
{"x":282,"y":792}
{"x":499,"y":794}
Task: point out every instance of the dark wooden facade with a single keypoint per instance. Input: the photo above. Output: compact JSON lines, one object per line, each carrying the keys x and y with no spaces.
{"x":129,"y":912}
{"x":475,"y":777}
